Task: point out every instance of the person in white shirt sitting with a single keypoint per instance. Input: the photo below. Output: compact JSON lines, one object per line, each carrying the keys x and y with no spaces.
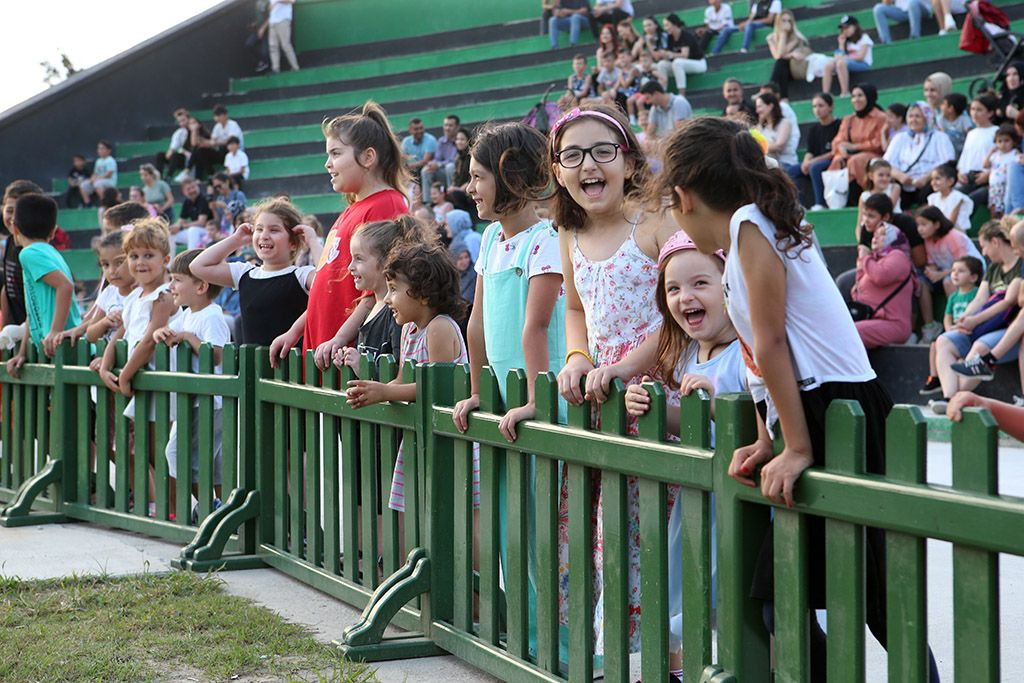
{"x":211,"y":152}
{"x":176,"y":156}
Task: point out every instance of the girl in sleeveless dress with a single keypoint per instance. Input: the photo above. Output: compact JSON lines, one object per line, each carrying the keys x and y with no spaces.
{"x":784,"y":305}
{"x":609,"y":249}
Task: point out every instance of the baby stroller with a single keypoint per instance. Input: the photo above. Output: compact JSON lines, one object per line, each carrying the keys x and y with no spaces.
{"x":542,"y":114}
{"x":987,"y":29}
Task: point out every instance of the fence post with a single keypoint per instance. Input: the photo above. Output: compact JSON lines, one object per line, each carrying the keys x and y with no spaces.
{"x":434,"y":386}
{"x":740,"y":529}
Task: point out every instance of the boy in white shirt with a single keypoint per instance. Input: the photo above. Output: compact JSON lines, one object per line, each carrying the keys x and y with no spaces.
{"x":236,"y":162}
{"x":953,"y":203}
{"x":202,"y":322}
{"x":717,"y":16}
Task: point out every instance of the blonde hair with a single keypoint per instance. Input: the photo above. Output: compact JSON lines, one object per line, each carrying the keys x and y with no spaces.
{"x":778,"y":33}
{"x":149,"y":233}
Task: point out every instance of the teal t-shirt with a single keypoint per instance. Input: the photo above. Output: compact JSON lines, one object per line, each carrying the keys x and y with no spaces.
{"x":104,"y":164}
{"x":37,"y":260}
{"x":958,"y":301}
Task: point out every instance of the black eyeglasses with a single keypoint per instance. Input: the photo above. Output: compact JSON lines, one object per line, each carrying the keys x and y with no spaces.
{"x":602,"y":153}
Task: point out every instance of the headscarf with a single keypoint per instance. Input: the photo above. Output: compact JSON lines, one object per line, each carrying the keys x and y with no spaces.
{"x":942,"y":82}
{"x":467,"y":278}
{"x":871,"y":95}
{"x":926,"y":109}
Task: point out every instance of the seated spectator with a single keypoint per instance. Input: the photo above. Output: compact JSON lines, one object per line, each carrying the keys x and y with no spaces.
{"x":879,"y":181}
{"x":853,"y":55}
{"x":1011,"y":97}
{"x":819,"y":151}
{"x":1014,"y":201}
{"x":915,"y":152}
{"x":762,"y":15}
{"x":884,"y":278}
{"x":652,"y":39}
{"x":898,"y":12}
{"x":228,"y":202}
{"x":667,"y":111}
{"x":628,"y":37}
{"x":787,"y":111}
{"x":442,"y":166}
{"x":936,"y":87}
{"x":190,"y":228}
{"x":732,"y":93}
{"x":609,"y":12}
{"x":458,"y":227}
{"x":859,"y":138}
{"x":104,"y":174}
{"x":964,"y":277}
{"x":439,"y":205}
{"x":280,"y":31}
{"x":895,"y":122}
{"x":783,"y":138}
{"x":628,"y":85}
{"x":608,"y":79}
{"x":971,"y":174}
{"x":571,"y":16}
{"x":461,"y":176}
{"x":998,"y":162}
{"x":79,"y":171}
{"x":156,"y":191}
{"x":789,"y":49}
{"x":135,"y":195}
{"x":944,"y":246}
{"x":607,"y":43}
{"x":944,"y":11}
{"x":954,"y":121}
{"x":418,"y":147}
{"x":647,"y":72}
{"x":173,"y":161}
{"x":209,"y":152}
{"x":305,"y":257}
{"x":682,"y":53}
{"x":464,"y":262}
{"x":954,"y":204}
{"x":110,"y":197}
{"x":198,"y":137}
{"x":717,"y":17}
{"x":986,"y":318}
{"x":580,"y":81}
{"x":236,"y":162}
{"x":1009,"y":418}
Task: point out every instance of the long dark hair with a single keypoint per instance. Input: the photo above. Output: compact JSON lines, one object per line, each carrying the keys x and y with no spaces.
{"x":517,"y":156}
{"x":724,"y":165}
{"x":935,"y":215}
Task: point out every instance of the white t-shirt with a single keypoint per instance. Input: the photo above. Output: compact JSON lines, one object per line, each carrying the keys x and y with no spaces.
{"x":546,"y":257}
{"x":852,"y":48}
{"x":280,"y":11}
{"x":1003,"y":159}
{"x":209,"y":326}
{"x":896,"y":207}
{"x":110,"y":301}
{"x":823,"y":341}
{"x":258,"y":273}
{"x":716,"y":21}
{"x":237,"y":162}
{"x":976,"y":145}
{"x":220,"y":134}
{"x":627,"y":5}
{"x":178,"y":140}
{"x":137,"y":311}
{"x":946,"y":206}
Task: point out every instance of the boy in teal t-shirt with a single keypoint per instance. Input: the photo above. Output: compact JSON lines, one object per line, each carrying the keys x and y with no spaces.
{"x":49,"y":289}
{"x":965,"y":275}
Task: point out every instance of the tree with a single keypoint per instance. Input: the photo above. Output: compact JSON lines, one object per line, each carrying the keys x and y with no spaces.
{"x":53,"y":74}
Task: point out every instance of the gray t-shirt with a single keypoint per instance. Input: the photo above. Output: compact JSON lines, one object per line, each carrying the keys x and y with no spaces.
{"x":665,"y":120}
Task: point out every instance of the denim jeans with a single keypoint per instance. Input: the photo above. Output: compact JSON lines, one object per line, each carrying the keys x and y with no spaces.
{"x":816,"y":182}
{"x":572,"y":24}
{"x":886,"y":13}
{"x":748,"y":32}
{"x":723,"y":36}
{"x":1014,"y":188}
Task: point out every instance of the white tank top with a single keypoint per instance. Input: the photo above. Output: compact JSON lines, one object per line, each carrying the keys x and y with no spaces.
{"x":823,"y":341}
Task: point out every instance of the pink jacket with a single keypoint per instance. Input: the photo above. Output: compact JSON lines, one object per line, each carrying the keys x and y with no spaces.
{"x":878,"y":274}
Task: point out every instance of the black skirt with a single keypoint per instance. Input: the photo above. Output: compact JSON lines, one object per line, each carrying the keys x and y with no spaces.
{"x":876,"y":404}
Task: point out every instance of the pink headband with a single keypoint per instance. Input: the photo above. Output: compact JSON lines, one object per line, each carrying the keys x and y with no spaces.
{"x":680,"y":242}
{"x":576,"y":113}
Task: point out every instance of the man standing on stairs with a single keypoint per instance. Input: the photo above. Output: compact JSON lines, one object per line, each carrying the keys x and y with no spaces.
{"x":281,"y":35}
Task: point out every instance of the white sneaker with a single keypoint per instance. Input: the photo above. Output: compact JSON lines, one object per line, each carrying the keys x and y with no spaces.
{"x":939,"y":407}
{"x":950,"y":23}
{"x":817,"y":207}
{"x":943,"y":32}
{"x":912,"y":339}
{"x":931,"y":332}
{"x":182,"y":177}
{"x":1018,"y":401}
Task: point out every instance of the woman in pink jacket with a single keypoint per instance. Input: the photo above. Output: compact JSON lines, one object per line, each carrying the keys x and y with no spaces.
{"x":883,"y":269}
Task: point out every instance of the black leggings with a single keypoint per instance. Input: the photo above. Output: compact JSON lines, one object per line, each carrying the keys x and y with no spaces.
{"x":781,"y":75}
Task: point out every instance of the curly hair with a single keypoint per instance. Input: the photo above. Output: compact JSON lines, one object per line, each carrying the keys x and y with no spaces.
{"x":431,"y":274}
{"x":517,"y":156}
{"x":149,"y":233}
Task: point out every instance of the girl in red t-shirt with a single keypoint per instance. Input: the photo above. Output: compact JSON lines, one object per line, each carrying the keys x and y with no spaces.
{"x":364,"y":160}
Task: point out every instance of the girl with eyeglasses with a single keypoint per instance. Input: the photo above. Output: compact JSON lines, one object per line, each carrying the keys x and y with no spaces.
{"x":609,"y":245}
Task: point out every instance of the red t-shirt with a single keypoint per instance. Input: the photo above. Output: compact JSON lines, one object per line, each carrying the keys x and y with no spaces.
{"x":333,"y":292}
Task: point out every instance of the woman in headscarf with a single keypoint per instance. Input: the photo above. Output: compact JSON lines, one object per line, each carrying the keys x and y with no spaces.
{"x":884,"y":268}
{"x":914,"y":152}
{"x":859,"y":139}
{"x":1011,"y":97}
{"x":936,"y":87}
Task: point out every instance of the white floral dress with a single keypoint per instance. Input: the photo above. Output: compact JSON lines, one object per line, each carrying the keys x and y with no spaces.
{"x":618,"y":300}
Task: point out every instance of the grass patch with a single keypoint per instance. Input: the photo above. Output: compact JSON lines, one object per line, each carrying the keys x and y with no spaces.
{"x":153,"y":627}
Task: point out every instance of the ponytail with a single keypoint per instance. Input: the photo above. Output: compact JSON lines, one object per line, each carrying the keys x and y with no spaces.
{"x":383,"y":236}
{"x":368,"y":129}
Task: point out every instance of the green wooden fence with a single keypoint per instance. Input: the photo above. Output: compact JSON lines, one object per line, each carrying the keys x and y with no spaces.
{"x":312,"y":477}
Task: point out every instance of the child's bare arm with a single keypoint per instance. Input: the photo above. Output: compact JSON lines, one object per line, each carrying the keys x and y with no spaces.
{"x":65,"y":292}
{"x":211,"y":265}
{"x":346,"y":334}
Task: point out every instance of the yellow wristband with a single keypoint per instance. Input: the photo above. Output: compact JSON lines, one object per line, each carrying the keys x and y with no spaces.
{"x":582,"y":352}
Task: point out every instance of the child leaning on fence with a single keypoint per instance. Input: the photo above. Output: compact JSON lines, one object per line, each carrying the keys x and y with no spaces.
{"x":423,"y":295}
{"x":784,"y":305}
{"x":202,"y":323}
{"x":49,"y":288}
{"x":697,"y":349}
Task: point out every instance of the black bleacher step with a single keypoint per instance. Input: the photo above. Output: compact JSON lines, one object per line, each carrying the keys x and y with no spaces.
{"x":903,"y":370}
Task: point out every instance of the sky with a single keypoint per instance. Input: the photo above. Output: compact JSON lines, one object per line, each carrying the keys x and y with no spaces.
{"x":88,"y":32}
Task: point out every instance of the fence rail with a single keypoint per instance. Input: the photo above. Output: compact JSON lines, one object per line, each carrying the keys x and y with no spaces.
{"x":310,"y":478}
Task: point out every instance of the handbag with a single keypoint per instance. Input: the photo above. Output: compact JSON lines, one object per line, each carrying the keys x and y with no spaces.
{"x":861,"y":311}
{"x":996,"y":322}
{"x":837,"y":187}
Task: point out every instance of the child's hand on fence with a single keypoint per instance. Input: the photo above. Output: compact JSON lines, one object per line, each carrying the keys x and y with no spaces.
{"x":779,"y":476}
{"x":73,"y":334}
{"x":14,"y":364}
{"x":363,"y":392}
{"x":96,"y":363}
{"x":746,"y":459}
{"x":508,"y":423}
{"x":280,"y":347}
{"x":962,"y":399}
{"x":50,"y":343}
{"x":124,"y":385}
{"x":347,"y":356}
{"x":166,"y":335}
{"x":599,"y":382}
{"x":460,"y":416}
{"x":692,"y":383}
{"x":638,"y":401}
{"x":109,"y":380}
{"x":113,"y":319}
{"x":576,"y":366}
{"x":326,"y":352}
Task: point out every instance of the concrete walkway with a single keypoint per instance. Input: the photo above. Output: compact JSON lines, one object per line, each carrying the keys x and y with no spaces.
{"x":65,"y":549}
